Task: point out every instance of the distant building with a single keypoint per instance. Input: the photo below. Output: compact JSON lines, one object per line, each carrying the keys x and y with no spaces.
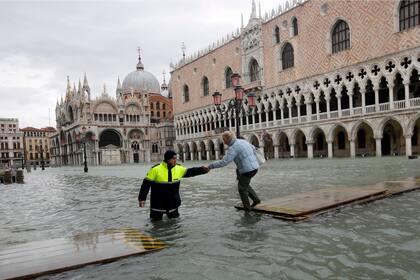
{"x":36,"y":144}
{"x":118,"y":129}
{"x":11,"y":142}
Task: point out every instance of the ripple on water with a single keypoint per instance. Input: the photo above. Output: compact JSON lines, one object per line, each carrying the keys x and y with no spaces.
{"x":212,"y":240}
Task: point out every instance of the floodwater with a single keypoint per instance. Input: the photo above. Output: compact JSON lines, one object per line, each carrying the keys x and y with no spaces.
{"x":211,"y":239}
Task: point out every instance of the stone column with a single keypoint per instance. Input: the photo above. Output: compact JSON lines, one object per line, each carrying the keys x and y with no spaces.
{"x":338,"y":95}
{"x":391,"y":94}
{"x":327,"y":98}
{"x":199,"y":154}
{"x":290,"y":112}
{"x":378,"y":147}
{"x":276,"y":151}
{"x":406,"y":83}
{"x":308,"y":110}
{"x":350,"y":94}
{"x":363,"y":93}
{"x":376,"y":98}
{"x":282,"y":115}
{"x":408,"y":150}
{"x":310,"y":146}
{"x":208,"y":154}
{"x":317,"y":109}
{"x":192,"y":155}
{"x":185,"y":156}
{"x":147,"y":155}
{"x":298,"y":111}
{"x":266,"y":116}
{"x":352,"y":148}
{"x":217,"y":154}
{"x":292,"y":150}
{"x":330,"y":149}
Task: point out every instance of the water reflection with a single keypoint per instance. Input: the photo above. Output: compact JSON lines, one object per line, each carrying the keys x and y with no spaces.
{"x":213,"y":240}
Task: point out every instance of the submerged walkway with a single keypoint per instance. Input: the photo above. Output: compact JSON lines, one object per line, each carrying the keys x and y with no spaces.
{"x":302,"y":206}
{"x":34,"y":259}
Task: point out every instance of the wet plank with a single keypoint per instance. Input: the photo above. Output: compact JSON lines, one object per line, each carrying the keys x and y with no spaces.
{"x":30,"y":260}
{"x":298,"y":207}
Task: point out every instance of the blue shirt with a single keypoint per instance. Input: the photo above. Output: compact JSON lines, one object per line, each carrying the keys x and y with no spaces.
{"x":242,"y":153}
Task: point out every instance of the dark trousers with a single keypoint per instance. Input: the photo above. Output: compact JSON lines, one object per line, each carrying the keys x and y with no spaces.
{"x":245,"y":190}
{"x":157,"y":215}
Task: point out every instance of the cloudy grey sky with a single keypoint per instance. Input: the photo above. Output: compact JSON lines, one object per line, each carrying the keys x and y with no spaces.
{"x":43,"y":42}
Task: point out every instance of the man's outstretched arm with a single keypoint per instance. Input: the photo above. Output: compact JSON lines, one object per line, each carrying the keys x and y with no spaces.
{"x":195,"y":171}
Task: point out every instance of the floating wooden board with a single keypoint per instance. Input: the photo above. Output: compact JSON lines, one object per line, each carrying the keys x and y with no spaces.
{"x":301,"y":206}
{"x":34,"y":259}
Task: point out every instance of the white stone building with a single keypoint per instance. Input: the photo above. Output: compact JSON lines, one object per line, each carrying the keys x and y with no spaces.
{"x":333,"y":79}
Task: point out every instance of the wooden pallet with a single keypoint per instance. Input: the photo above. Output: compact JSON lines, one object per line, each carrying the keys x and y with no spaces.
{"x":30,"y":260}
{"x":298,"y":207}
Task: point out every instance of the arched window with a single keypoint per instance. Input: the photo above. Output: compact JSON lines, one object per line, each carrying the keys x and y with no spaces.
{"x":276,"y":35}
{"x":254,"y":70}
{"x":409,"y":14}
{"x":164,"y":106}
{"x":157,"y":105}
{"x":340,"y":36}
{"x":205,"y":86}
{"x":295,"y":30}
{"x":186,"y":94}
{"x":151,"y":105}
{"x":287,"y":56}
{"x":228,"y":73}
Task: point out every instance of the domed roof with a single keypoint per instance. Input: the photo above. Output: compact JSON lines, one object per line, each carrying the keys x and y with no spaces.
{"x":141,"y":80}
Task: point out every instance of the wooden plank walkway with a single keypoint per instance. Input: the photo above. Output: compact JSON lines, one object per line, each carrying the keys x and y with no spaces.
{"x":30,"y":260}
{"x":302,"y":206}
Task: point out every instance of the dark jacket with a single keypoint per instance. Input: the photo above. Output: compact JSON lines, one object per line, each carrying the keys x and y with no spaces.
{"x":165,"y":182}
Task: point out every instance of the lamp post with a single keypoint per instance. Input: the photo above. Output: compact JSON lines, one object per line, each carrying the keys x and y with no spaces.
{"x":42,"y":158}
{"x":21,"y":158}
{"x":84,"y":149}
{"x":234,"y":104}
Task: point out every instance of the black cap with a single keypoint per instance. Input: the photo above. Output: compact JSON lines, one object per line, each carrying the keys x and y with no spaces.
{"x":169,"y":154}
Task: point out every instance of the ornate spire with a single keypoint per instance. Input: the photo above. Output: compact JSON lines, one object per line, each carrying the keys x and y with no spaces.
{"x":85,"y":82}
{"x":164,"y":86}
{"x":119,"y":83}
{"x":68,"y":85}
{"x":140,"y":65}
{"x":104,"y":91}
{"x":254,"y":10}
{"x":183,"y":48}
{"x":79,"y":89}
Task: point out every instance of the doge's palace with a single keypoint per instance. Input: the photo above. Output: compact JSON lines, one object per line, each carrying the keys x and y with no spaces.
{"x":333,"y":79}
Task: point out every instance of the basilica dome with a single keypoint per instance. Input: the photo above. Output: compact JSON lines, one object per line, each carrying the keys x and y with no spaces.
{"x":140,"y":80}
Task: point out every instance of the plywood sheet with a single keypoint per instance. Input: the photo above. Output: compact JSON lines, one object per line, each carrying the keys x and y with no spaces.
{"x":34,"y":259}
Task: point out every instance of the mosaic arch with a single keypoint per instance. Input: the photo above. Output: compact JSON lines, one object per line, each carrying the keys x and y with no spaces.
{"x":110,"y":137}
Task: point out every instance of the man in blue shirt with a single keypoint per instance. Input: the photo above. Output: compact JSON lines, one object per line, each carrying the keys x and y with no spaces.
{"x":242,"y":153}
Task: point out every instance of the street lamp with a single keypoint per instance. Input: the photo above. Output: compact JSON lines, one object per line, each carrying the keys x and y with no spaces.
{"x":21,"y":158}
{"x":42,"y":159}
{"x":84,"y":149}
{"x":235,"y":103}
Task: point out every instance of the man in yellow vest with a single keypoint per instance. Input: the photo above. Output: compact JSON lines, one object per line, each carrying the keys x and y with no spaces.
{"x":164,"y":180}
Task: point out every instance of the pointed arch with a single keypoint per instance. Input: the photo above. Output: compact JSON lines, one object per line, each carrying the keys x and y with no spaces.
{"x":287,"y":56}
{"x":228,"y":74}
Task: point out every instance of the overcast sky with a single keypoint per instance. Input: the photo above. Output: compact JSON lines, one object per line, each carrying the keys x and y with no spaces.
{"x":43,"y":42}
